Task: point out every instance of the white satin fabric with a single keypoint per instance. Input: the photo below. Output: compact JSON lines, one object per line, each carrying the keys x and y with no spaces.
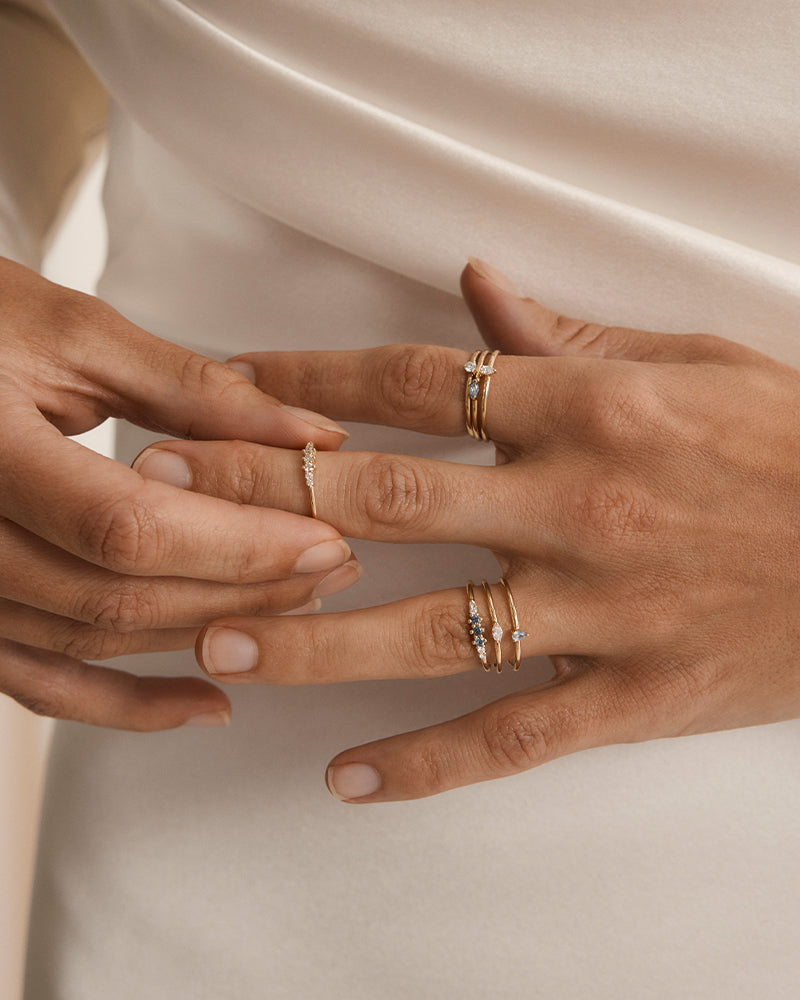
{"x":309,"y":173}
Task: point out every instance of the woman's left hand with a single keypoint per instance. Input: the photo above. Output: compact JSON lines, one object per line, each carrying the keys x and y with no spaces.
{"x":645,"y":511}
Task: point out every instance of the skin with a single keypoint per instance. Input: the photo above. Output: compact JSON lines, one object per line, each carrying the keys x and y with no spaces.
{"x":650,"y":534}
{"x":98,"y":561}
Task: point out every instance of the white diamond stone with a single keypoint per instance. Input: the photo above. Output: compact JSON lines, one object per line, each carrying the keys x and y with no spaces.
{"x":497,"y":632}
{"x":470,"y":367}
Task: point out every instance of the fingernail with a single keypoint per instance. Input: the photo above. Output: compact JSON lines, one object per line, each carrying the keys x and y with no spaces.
{"x":209,"y":719}
{"x":226,"y":651}
{"x":325,"y":555}
{"x":316,"y":420}
{"x":492,"y":274}
{"x":165,"y":466}
{"x":352,"y":781}
{"x":305,"y":609}
{"x":340,"y":579}
{"x":244,"y":368}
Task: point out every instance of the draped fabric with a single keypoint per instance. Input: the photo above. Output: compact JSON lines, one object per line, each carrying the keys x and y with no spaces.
{"x":314,"y":174}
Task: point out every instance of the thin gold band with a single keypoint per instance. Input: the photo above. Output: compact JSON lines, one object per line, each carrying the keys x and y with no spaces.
{"x":517,"y":634}
{"x":497,"y":629}
{"x":309,"y":468}
{"x":485,"y":381}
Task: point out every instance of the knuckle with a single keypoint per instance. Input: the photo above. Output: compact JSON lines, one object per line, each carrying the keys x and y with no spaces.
{"x":620,"y":412}
{"x":123,"y":607}
{"x":82,"y":642}
{"x":441,"y":636}
{"x":612,"y":512}
{"x":578,"y":334}
{"x":397,"y":493}
{"x":120,"y":535}
{"x":45,"y":706}
{"x":516,"y":741}
{"x":246,"y":480}
{"x":413,"y":381}
{"x":430,"y":767}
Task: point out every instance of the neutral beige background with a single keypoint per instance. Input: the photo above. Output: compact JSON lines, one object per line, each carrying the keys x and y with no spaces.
{"x":74,"y":260}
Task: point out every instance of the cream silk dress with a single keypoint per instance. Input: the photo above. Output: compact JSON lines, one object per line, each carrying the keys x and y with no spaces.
{"x":311,"y":173}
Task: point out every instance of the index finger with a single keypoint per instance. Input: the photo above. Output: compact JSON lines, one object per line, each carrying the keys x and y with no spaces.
{"x":107,"y":514}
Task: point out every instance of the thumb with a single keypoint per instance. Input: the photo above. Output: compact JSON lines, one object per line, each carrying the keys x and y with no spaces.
{"x":517,"y":325}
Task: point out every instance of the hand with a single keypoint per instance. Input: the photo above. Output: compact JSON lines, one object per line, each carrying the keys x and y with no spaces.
{"x":97,"y":561}
{"x":646,"y":513}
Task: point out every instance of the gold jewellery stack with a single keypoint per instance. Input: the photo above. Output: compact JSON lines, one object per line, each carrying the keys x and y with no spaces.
{"x":479,"y":369}
{"x":496,"y":632}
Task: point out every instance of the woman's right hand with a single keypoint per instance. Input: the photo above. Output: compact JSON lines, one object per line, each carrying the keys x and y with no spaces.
{"x":96,"y":561}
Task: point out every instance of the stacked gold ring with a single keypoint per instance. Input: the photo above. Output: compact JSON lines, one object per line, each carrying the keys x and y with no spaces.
{"x":479,"y":369}
{"x":479,"y":634}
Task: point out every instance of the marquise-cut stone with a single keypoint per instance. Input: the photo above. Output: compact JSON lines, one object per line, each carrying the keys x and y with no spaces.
{"x":497,"y":632}
{"x":474,"y":389}
{"x":487,"y":370}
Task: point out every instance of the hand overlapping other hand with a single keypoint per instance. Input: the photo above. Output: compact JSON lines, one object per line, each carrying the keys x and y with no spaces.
{"x":645,"y":510}
{"x":96,"y":561}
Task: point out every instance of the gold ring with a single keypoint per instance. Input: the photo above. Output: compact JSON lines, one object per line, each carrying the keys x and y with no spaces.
{"x":497,"y":628}
{"x":475,"y":626}
{"x":479,"y":369}
{"x":309,"y":468}
{"x":517,"y":635}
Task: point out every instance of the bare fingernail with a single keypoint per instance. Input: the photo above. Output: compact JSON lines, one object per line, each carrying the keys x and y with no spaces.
{"x":226,"y":651}
{"x":165,"y":466}
{"x":305,"y":609}
{"x":209,"y":719}
{"x":352,"y":781}
{"x":340,"y":579}
{"x":244,"y":368}
{"x":494,"y":275}
{"x":325,"y":555}
{"x":316,"y":420}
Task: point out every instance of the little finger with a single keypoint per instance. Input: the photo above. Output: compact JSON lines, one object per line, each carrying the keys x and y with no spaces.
{"x":506,"y":737}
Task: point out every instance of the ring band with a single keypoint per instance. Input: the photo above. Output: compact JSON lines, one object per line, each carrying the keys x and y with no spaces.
{"x":475,"y":626}
{"x":309,"y":468}
{"x":479,"y":369}
{"x":517,"y":635}
{"x":497,"y":628}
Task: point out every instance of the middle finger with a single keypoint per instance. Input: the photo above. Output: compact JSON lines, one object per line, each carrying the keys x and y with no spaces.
{"x":372,"y":495}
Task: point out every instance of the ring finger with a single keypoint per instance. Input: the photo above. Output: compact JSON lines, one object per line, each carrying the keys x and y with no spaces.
{"x":422,"y":636}
{"x":393,"y":498}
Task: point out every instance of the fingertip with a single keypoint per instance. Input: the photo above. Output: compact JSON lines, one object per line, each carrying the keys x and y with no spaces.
{"x":353,"y":782}
{"x":209,"y":719}
{"x":164,"y":466}
{"x":487,"y":272}
{"x":243,"y":368}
